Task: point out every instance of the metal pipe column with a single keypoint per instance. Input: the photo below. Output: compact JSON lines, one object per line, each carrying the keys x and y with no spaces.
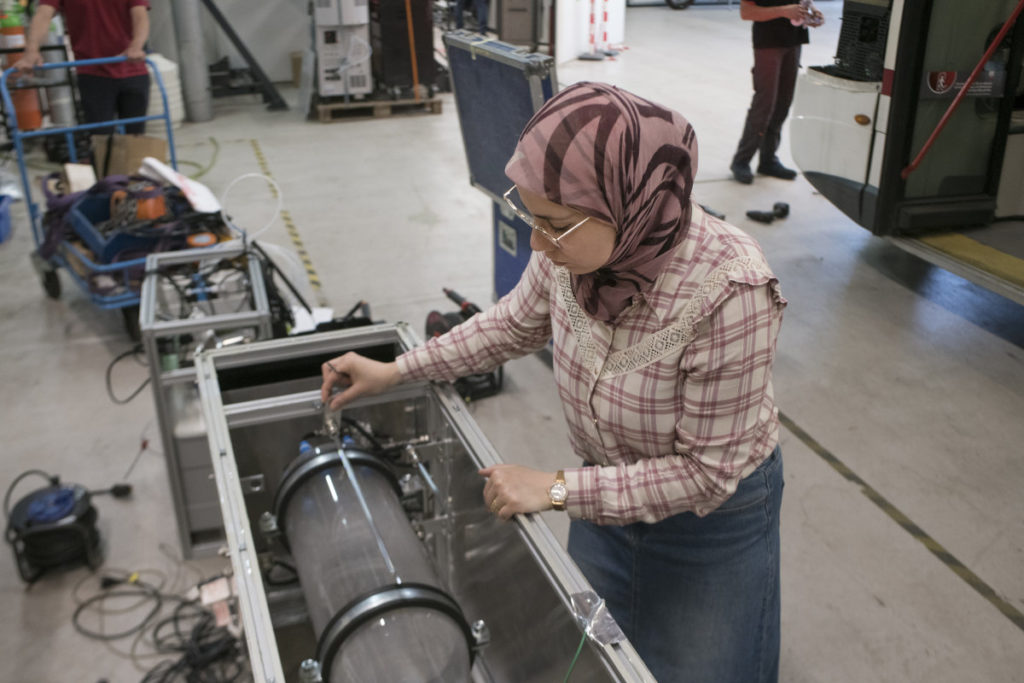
{"x":195,"y":76}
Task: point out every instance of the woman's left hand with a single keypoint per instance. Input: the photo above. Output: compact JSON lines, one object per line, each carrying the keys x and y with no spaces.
{"x":514,"y":489}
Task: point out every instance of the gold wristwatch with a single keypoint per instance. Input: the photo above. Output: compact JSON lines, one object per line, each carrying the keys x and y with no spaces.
{"x":558,"y":492}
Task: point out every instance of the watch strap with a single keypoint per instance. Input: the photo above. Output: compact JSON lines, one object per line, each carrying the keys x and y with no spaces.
{"x":559,"y":479}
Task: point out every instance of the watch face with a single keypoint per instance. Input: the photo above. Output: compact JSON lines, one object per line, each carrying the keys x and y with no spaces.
{"x":558,"y":493}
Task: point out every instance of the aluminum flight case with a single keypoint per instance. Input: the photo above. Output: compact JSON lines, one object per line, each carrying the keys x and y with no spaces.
{"x":172,"y":329}
{"x":498,"y":87}
{"x":527,"y":602}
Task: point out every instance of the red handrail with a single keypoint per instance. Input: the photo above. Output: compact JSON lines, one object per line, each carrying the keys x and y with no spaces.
{"x":963,"y":91}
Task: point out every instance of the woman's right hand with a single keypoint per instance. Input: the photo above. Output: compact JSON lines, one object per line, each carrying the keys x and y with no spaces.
{"x":355,"y":376}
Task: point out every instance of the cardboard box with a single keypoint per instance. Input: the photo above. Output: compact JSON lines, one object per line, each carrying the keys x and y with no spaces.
{"x":123,"y":154}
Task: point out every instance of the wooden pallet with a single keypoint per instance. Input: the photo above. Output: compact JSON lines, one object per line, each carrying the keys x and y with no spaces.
{"x":338,"y":111}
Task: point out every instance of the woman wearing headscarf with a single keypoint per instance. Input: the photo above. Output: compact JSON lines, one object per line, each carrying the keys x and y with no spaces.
{"x":664,"y":322}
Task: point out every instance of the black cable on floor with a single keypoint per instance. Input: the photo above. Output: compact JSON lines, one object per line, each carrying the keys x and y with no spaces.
{"x":206,"y":653}
{"x":135,"y":589}
{"x":135,"y":350}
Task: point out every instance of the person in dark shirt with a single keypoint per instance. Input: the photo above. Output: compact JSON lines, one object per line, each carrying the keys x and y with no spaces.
{"x":779,"y":29}
{"x":100,"y":28}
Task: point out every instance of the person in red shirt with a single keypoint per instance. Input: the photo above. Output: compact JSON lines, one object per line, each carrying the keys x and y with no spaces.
{"x":100,"y":28}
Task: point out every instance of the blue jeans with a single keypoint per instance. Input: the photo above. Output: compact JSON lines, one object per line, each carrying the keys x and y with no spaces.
{"x":697,"y":597}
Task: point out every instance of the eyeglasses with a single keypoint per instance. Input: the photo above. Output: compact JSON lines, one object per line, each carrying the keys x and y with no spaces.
{"x":529,"y":220}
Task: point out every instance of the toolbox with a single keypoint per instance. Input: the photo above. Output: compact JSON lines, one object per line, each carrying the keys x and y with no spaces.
{"x":498,"y":87}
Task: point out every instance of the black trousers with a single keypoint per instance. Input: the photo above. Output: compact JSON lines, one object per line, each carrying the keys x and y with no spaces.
{"x":106,"y":99}
{"x":774,"y":72}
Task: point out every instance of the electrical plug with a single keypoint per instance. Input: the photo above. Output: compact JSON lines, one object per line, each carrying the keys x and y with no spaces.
{"x":121,"y":490}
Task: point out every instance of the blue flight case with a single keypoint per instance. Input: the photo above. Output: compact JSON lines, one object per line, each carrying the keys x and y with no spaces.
{"x":498,"y":87}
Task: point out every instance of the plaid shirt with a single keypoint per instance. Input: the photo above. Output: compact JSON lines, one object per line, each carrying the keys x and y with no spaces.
{"x":673,"y":402}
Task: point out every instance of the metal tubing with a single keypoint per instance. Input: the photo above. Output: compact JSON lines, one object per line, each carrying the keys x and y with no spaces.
{"x":358,"y":490}
{"x":195,"y":77}
{"x":60,"y":98}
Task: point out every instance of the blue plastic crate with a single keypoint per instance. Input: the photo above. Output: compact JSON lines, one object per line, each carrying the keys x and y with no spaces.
{"x":94,"y":209}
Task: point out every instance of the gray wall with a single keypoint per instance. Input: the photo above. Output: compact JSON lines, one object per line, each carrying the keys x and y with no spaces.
{"x":270,"y":29}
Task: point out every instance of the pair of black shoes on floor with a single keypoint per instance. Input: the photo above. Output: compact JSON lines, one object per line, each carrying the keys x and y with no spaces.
{"x":774,"y":168}
{"x":779,"y":210}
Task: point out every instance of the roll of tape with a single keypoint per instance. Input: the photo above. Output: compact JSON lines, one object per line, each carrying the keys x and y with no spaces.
{"x":201,"y":239}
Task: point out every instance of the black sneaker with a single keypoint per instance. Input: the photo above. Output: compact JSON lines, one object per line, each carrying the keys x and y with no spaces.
{"x":741,"y":172}
{"x":776,"y":170}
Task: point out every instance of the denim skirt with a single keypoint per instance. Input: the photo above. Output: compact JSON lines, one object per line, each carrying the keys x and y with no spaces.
{"x":698,"y":597}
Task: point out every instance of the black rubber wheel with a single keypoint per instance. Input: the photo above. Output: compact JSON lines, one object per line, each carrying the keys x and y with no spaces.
{"x":51,"y":283}
{"x":678,"y":4}
{"x":131,"y":322}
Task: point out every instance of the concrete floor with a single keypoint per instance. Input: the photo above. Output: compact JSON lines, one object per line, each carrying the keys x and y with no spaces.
{"x":908,"y":376}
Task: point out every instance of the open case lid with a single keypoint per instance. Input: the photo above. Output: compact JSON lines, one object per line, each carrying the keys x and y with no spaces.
{"x":498,"y":87}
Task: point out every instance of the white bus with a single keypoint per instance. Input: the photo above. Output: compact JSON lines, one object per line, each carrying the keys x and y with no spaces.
{"x":863,"y":131}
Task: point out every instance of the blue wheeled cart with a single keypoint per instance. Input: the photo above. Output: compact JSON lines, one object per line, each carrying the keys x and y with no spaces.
{"x":83,"y":267}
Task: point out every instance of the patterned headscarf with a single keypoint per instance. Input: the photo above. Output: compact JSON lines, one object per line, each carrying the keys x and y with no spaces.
{"x":619,"y":158}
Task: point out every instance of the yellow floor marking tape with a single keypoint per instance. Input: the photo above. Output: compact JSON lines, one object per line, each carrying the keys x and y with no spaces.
{"x":293,"y":232}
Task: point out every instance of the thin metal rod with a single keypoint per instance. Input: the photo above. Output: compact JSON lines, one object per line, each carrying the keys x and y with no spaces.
{"x":343,"y":456}
{"x":414,"y":456}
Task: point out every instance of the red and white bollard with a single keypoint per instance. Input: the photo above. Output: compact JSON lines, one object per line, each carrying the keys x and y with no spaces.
{"x":593,"y":54}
